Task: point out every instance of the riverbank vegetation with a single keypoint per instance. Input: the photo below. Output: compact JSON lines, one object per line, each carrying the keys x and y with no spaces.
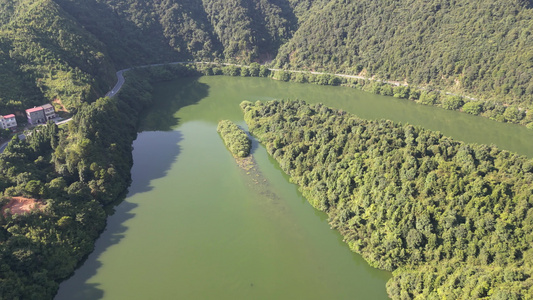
{"x":492,"y":110}
{"x":66,"y":49}
{"x":451,"y":220}
{"x":426,"y":96}
{"x":75,"y":171}
{"x":235,"y":139}
{"x":69,"y":50}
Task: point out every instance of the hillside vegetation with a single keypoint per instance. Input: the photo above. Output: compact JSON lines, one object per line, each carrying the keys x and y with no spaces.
{"x":47,"y":55}
{"x":67,"y":48}
{"x":154,"y":31}
{"x":480,"y":48}
{"x":452,"y":220}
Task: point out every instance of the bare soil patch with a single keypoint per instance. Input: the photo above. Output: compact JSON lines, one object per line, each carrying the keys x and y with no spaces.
{"x":59,"y":105}
{"x":21,"y":205}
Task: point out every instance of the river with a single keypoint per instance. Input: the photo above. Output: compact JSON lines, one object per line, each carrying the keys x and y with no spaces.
{"x":196,"y":226}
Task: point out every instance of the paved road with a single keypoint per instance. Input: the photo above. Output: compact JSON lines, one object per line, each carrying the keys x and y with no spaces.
{"x":4,"y":145}
{"x":118,"y":85}
{"x":121,"y":80}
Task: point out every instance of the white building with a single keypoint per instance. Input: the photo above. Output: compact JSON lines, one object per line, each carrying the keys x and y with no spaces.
{"x":8,"y":122}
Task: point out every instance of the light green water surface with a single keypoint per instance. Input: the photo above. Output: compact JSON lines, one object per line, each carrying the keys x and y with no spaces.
{"x":196,"y":226}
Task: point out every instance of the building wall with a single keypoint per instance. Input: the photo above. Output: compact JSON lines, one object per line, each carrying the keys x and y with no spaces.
{"x":36,"y":117}
{"x":11,"y":122}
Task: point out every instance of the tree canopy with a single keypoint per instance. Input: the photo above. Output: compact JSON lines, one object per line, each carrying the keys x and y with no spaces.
{"x":452,"y":220}
{"x":235,"y":138}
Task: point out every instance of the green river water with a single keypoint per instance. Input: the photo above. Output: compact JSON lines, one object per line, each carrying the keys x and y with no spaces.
{"x":196,"y":226}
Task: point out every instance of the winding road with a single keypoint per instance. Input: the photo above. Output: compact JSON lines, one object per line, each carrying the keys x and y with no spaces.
{"x":121,"y":80}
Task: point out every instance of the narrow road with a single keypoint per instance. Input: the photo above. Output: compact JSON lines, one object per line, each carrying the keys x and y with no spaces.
{"x":121,"y":80}
{"x":118,"y":85}
{"x":4,"y":145}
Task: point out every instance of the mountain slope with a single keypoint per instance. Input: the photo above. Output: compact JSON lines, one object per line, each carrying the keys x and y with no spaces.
{"x":482,"y":48}
{"x":50,"y":56}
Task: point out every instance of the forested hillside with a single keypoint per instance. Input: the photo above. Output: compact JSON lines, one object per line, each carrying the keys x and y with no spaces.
{"x":47,"y":55}
{"x":452,"y":220}
{"x":154,"y":31}
{"x":479,"y":48}
{"x":72,"y":173}
{"x":482,"y":49}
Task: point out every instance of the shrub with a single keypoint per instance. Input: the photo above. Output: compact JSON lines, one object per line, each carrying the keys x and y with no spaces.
{"x":452,"y":102}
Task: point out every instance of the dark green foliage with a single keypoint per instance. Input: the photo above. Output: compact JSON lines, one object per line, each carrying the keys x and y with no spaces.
{"x":44,"y":54}
{"x":237,"y":141}
{"x":452,"y":220}
{"x":452,"y":102}
{"x":154,"y":31}
{"x":473,"y":107}
{"x":479,"y":48}
{"x":250,"y":30}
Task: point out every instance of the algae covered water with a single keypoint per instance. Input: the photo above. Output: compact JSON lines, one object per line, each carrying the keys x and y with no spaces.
{"x":195,"y":225}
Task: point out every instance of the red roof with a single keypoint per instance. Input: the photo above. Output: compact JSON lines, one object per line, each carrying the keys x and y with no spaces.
{"x":9,"y":116}
{"x":30,"y":110}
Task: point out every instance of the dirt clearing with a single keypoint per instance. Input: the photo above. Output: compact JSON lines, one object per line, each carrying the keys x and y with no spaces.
{"x":21,"y":205}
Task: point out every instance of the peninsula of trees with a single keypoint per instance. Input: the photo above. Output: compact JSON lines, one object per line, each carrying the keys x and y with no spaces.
{"x":404,"y":205}
{"x":451,"y":220}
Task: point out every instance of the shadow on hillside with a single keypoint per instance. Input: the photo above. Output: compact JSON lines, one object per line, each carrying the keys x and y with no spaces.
{"x":126,"y":42}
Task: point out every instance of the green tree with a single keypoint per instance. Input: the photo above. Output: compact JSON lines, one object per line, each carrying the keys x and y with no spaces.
{"x":473,"y":107}
{"x":452,"y":102}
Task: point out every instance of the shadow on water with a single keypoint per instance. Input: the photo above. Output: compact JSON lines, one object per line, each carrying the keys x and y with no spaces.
{"x":155,"y":150}
{"x":77,"y":287}
{"x":169,"y":98}
{"x":153,"y":155}
{"x":255,"y":142}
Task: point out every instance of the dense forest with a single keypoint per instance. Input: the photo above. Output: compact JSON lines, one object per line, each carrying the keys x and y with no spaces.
{"x":46,"y":55}
{"x":67,"y":49}
{"x":480,"y":48}
{"x":479,"y":197}
{"x":452,"y":220}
